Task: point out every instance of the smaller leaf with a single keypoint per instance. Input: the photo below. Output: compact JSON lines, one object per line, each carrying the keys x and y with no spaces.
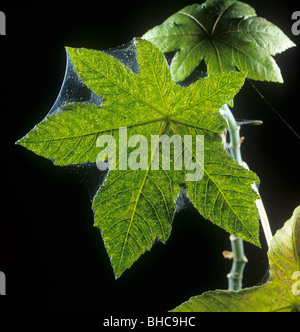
{"x":280,"y":294}
{"x":225,"y":34}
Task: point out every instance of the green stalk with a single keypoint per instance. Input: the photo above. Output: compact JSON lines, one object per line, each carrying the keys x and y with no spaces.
{"x":234,"y":132}
{"x":235,"y":277}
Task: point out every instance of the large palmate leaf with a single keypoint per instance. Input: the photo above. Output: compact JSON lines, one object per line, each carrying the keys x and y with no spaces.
{"x":135,"y":206}
{"x":281,"y":293}
{"x":225,"y":34}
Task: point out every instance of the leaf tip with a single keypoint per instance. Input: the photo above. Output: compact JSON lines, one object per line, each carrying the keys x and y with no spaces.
{"x":18,"y":142}
{"x":70,"y":51}
{"x":22,"y":141}
{"x":68,"y":48}
{"x":117,"y":276}
{"x":118,"y":272}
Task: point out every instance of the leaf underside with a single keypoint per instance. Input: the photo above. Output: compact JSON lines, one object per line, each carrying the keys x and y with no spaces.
{"x":226,"y":34}
{"x":134,"y":208}
{"x":280,"y":294}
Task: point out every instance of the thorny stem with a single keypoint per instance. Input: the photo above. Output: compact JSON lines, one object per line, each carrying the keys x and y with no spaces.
{"x":234,"y":132}
{"x":235,"y":276}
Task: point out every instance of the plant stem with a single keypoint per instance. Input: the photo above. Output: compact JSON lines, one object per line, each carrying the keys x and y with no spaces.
{"x":234,"y":132}
{"x":264,"y":219}
{"x":235,"y":277}
{"x":239,"y":259}
{"x":235,"y":150}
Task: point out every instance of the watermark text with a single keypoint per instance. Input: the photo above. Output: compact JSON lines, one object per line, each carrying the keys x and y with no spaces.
{"x":296,"y":25}
{"x":2,"y":283}
{"x":296,"y":285}
{"x":166,"y":153}
{"x":2,"y":23}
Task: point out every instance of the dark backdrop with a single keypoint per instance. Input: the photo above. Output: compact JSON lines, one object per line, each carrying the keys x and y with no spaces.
{"x":52,"y":256}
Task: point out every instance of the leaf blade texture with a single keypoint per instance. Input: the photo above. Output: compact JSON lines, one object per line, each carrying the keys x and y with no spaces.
{"x":135,"y":208}
{"x":279,"y":294}
{"x":225,"y":34}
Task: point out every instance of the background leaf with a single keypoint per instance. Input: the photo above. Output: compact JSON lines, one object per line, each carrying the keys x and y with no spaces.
{"x":277,"y":295}
{"x":225,"y":34}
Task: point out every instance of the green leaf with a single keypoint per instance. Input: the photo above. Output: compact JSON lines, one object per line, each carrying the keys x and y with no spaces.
{"x":134,"y":208}
{"x":225,"y":34}
{"x":282,"y":293}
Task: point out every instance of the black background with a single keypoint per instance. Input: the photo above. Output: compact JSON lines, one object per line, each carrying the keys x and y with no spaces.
{"x":53,"y":258}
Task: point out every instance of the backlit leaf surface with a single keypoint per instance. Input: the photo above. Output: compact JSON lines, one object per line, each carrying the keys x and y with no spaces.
{"x":134,"y":208}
